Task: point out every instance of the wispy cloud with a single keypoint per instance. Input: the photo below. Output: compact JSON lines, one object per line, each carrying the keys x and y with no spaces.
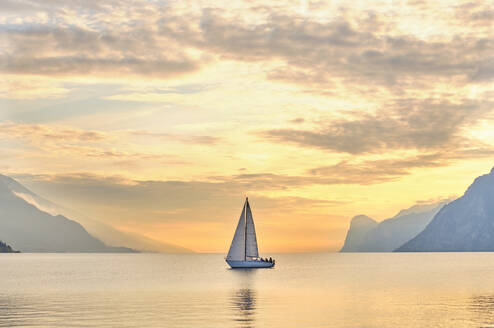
{"x":173,"y":198}
{"x":377,"y":171}
{"x":189,"y":139}
{"x":39,"y":132}
{"x":15,"y":87}
{"x":404,"y":124}
{"x":109,"y":146}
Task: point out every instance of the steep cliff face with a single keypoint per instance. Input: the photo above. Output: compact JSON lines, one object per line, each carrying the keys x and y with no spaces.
{"x":359,"y":227}
{"x":464,"y":225}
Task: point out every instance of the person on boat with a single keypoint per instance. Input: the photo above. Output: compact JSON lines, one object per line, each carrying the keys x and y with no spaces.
{"x":270,"y":260}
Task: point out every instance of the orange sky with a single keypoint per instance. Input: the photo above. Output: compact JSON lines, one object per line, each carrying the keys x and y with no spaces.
{"x":157,"y":118}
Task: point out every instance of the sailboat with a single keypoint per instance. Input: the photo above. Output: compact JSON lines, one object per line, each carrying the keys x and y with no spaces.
{"x":243,"y":251}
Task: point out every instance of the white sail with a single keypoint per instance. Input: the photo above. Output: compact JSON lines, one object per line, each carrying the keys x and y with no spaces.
{"x":237,"y":248}
{"x":243,"y":251}
{"x":251,"y":250}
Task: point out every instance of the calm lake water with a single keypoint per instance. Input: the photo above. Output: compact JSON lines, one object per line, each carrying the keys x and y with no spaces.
{"x":304,"y":290}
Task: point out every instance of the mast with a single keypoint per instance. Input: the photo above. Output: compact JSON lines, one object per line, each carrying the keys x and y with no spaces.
{"x":245,"y":227}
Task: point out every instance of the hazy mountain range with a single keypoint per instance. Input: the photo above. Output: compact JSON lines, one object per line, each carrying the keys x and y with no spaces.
{"x":464,"y":225}
{"x":368,"y":235}
{"x":30,"y":223}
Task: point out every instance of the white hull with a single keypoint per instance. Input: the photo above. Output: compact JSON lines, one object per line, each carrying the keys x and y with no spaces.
{"x":249,"y":264}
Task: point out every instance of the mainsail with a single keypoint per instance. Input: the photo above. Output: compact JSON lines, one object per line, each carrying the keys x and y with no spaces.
{"x":244,"y":243}
{"x":251,"y":240}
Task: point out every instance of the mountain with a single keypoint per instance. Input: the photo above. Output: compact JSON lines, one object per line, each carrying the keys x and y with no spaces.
{"x":389,"y":234}
{"x":4,"y":248}
{"x":359,"y":227}
{"x":464,"y":225}
{"x":109,"y":235}
{"x":27,"y":228}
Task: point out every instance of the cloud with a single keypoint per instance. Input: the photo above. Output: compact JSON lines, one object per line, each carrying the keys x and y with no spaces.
{"x":114,"y":146}
{"x":13,"y":87}
{"x":65,"y":135}
{"x":180,"y":211}
{"x":215,"y":198}
{"x":48,"y":6}
{"x":378,"y":171}
{"x":479,"y":14}
{"x":484,"y":71}
{"x":404,"y":124}
{"x":189,"y":139}
{"x":160,"y":201}
{"x":347,"y":172}
{"x":56,"y":50}
{"x":354,"y":51}
{"x":78,"y":65}
{"x":161,"y":41}
{"x":297,"y":120}
{"x":39,"y":132}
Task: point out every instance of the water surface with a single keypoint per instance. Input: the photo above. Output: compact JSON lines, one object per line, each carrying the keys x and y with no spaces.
{"x":303,"y":290}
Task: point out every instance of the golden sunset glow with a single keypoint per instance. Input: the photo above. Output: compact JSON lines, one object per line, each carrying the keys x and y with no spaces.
{"x":157,"y":118}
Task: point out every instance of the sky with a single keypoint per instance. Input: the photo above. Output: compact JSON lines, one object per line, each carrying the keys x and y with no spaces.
{"x":159,"y":117}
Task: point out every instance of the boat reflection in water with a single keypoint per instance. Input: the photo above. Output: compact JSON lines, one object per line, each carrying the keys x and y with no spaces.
{"x":244,"y":305}
{"x":243,"y":298}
